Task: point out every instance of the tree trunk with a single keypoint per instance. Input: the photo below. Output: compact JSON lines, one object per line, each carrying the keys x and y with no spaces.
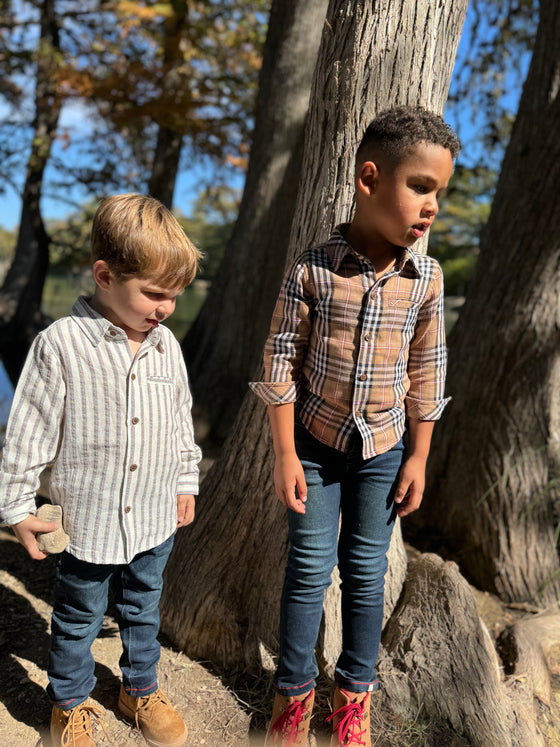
{"x":223,"y":345}
{"x":166,"y":164}
{"x":223,"y":582}
{"x":466,"y":698}
{"x":161,"y":184}
{"x":495,"y":494}
{"x":21,"y":293}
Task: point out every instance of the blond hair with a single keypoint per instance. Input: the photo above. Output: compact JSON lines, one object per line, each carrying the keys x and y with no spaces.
{"x":138,"y":236}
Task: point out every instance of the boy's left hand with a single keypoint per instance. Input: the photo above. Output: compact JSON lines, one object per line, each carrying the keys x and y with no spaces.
{"x":410,"y":489}
{"x":185,"y":510}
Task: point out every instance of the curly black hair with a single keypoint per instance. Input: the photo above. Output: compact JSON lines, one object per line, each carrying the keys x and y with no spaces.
{"x":394,"y":132}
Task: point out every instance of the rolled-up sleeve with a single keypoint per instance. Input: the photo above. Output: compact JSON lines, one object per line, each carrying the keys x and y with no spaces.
{"x":427,"y":362}
{"x":287,"y":341}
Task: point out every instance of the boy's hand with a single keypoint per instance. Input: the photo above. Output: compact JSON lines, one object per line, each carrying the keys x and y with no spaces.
{"x":288,"y":475}
{"x":410,"y":489}
{"x":185,"y":509}
{"x":27,"y":530}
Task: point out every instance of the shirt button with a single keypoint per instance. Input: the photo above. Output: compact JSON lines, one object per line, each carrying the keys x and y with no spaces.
{"x":135,"y":420}
{"x":128,"y":509}
{"x":367,"y":336}
{"x":132,"y":376}
{"x":113,"y":332}
{"x":133,"y":467}
{"x":358,"y":414}
{"x":363,"y":377}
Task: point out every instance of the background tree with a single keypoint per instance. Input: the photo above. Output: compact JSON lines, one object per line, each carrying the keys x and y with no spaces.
{"x":496,"y":466}
{"x":223,"y":346}
{"x":22,"y":290}
{"x":132,"y":67}
{"x":234,"y":554}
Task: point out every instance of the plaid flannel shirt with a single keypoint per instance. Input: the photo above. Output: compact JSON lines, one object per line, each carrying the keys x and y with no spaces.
{"x":353,"y":351}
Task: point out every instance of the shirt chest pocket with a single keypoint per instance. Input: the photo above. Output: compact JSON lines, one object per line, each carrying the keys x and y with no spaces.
{"x":397,"y":320}
{"x":161,"y":403}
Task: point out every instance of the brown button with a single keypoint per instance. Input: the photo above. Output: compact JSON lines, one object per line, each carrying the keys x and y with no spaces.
{"x":358,"y":414}
{"x":113,"y":332}
{"x":128,"y":509}
{"x":132,"y":376}
{"x":133,"y":467}
{"x":135,"y":420}
{"x":367,"y":336}
{"x":363,"y":377}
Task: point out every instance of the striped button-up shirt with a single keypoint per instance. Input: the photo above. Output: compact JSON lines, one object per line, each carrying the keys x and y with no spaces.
{"x":118,"y":430}
{"x":354,"y":351}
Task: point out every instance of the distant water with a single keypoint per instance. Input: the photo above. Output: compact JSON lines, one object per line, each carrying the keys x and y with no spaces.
{"x":6,"y":396}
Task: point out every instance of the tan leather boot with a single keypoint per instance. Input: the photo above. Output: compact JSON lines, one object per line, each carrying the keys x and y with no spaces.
{"x":350,"y":719}
{"x":160,"y":724}
{"x":73,"y":727}
{"x":289,"y":724}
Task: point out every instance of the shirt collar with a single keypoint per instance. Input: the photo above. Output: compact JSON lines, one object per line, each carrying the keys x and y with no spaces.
{"x":338,"y":248}
{"x":96,"y":327}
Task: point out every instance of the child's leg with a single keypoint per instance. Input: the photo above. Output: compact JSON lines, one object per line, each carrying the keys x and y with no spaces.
{"x":137,"y":589}
{"x":367,"y":524}
{"x":312,"y":556}
{"x":80,"y":592}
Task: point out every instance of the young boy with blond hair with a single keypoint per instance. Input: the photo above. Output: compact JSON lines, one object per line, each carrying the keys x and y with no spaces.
{"x":104,"y":396}
{"x":356,"y":352}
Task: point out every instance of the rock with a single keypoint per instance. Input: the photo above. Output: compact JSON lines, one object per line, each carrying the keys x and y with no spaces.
{"x":52,"y":542}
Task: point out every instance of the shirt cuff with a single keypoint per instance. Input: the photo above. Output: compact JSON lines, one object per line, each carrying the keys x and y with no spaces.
{"x":420,"y":410}
{"x":275,"y":393}
{"x":187,"y":485}
{"x":18,"y":514}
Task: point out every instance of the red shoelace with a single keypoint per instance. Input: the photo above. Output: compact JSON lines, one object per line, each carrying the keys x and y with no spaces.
{"x":287,"y":724}
{"x":348,"y":727}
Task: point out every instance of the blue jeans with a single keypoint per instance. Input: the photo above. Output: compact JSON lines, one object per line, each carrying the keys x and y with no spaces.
{"x":81,"y":595}
{"x":361,"y":492}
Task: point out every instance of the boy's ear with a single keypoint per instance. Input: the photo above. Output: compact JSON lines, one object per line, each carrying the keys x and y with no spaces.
{"x":102,"y":274}
{"x":367,"y":177}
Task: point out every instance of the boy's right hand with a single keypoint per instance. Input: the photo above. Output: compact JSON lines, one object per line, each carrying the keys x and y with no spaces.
{"x":27,"y":530}
{"x":289,"y":475}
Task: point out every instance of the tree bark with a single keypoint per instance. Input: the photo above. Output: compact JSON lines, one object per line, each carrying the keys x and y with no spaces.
{"x":223,"y":346}
{"x":21,"y":293}
{"x":232,"y":558}
{"x":495,"y":496}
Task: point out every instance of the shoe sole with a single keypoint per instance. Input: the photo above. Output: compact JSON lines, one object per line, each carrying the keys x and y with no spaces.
{"x":131,"y":716}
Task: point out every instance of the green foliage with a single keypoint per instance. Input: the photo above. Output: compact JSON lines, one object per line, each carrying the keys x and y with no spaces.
{"x":70,"y":248}
{"x":210,"y":225}
{"x":7,"y":244}
{"x":454,"y":238}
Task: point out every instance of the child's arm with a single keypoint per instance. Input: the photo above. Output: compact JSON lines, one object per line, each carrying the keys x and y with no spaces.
{"x":185,"y":510}
{"x":26,"y":532}
{"x":412,"y":476}
{"x":288,"y":472}
{"x":32,"y":438}
{"x":190,"y":453}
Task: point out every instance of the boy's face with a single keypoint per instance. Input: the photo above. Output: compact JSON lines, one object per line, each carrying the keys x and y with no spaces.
{"x":136,"y":305}
{"x":397,"y":205}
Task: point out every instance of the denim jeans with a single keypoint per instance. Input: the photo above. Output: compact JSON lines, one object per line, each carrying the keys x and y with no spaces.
{"x":361,"y":492}
{"x":81,"y":597}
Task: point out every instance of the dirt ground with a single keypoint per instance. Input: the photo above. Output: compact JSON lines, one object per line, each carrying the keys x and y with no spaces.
{"x":214,"y":714}
{"x":219,"y":710}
